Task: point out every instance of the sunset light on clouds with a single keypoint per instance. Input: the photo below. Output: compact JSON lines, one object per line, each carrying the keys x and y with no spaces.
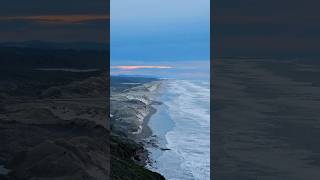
{"x":140,"y":67}
{"x":164,"y":42}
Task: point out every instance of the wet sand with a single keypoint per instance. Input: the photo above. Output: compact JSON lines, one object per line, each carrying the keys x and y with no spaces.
{"x":146,"y":130}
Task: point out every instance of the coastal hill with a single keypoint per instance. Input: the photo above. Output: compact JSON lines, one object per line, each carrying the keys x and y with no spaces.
{"x":53,"y":118}
{"x":130,"y":106}
{"x":60,"y":135}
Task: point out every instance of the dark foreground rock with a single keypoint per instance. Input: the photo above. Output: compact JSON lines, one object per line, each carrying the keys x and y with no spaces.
{"x":75,"y":150}
{"x":126,"y":163}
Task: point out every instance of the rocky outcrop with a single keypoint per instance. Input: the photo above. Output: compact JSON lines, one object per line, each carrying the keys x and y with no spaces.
{"x":126,"y":162}
{"x":77,"y":149}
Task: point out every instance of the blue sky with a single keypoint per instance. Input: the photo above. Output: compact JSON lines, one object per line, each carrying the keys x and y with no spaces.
{"x":161,"y":32}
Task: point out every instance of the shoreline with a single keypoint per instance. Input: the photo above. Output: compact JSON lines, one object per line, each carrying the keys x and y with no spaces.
{"x":142,"y":156}
{"x":135,"y":105}
{"x":146,"y":132}
{"x":171,"y":150}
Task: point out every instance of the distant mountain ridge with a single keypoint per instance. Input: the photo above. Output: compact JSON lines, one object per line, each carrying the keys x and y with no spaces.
{"x":136,"y":75}
{"x":45,"y":57}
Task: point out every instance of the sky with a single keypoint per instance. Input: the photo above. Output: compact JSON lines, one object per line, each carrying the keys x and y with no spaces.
{"x":267,"y":28}
{"x":54,"y":20}
{"x":171,"y":33}
{"x":149,"y":34}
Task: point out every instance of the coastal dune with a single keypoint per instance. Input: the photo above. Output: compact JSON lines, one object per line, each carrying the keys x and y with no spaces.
{"x":130,"y":107}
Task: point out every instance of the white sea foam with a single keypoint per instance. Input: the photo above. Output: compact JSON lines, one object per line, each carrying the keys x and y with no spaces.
{"x":188,"y":105}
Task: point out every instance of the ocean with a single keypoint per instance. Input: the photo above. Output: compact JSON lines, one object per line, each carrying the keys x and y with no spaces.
{"x":181,"y":129}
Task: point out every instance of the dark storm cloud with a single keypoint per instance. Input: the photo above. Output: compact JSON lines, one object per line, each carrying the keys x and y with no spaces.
{"x":267,"y":28}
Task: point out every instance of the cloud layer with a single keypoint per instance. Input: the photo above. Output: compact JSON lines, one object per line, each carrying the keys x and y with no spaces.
{"x":140,"y":67}
{"x":54,"y":20}
{"x":191,"y":69}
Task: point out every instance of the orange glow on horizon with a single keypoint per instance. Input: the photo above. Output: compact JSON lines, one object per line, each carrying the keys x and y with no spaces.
{"x":141,"y":67}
